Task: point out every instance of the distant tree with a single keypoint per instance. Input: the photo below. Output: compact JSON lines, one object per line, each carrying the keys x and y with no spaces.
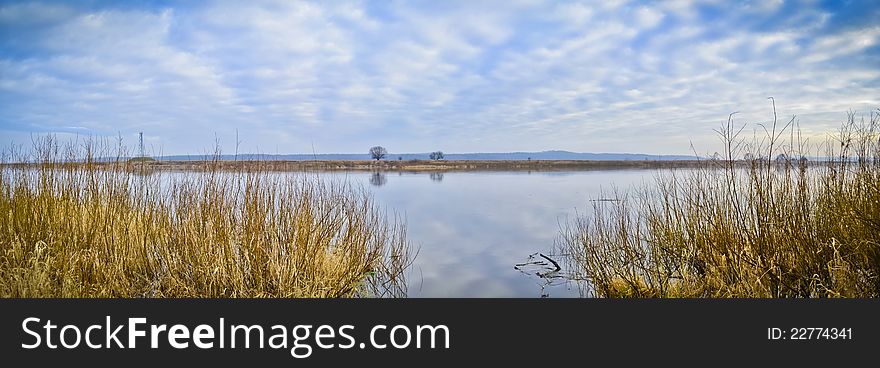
{"x":437,"y":155}
{"x":399,"y":158}
{"x":141,"y":159}
{"x":748,"y":157}
{"x":378,"y":152}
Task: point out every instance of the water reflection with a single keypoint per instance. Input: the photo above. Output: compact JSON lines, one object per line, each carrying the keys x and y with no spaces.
{"x":437,"y":176}
{"x":473,"y":228}
{"x":378,"y":179}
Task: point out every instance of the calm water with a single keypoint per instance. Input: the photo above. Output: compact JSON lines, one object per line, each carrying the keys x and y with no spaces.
{"x":473,"y":228}
{"x":483,"y":234}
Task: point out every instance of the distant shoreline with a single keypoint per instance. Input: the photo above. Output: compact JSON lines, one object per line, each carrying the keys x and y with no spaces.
{"x":472,"y":156}
{"x":421,"y":165}
{"x":428,"y":166}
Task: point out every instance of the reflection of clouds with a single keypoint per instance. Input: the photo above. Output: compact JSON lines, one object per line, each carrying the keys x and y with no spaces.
{"x":474,"y":227}
{"x":467,"y":281}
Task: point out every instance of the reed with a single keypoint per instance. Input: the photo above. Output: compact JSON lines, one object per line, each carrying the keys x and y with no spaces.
{"x":764,"y":226}
{"x":77,"y":224}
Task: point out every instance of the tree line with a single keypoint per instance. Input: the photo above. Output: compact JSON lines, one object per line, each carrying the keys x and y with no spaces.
{"x":378,"y":152}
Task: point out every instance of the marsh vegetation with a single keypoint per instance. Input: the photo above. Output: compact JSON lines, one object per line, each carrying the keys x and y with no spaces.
{"x":75,"y":224}
{"x":772,"y":229}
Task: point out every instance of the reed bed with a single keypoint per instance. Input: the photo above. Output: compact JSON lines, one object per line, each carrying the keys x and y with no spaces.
{"x":763,"y":226}
{"x":76,"y":224}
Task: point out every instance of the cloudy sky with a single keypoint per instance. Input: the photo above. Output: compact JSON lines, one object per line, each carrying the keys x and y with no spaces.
{"x":459,"y":76}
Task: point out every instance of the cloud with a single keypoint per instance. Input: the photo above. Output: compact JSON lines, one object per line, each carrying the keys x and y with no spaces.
{"x":848,"y":43}
{"x":621,"y":76}
{"x":648,"y":18}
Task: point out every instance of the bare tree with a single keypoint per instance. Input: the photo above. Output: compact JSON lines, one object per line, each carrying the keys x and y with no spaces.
{"x":437,"y":155}
{"x":378,"y":152}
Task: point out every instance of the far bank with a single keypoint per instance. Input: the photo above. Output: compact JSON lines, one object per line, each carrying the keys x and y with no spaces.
{"x":428,"y":165}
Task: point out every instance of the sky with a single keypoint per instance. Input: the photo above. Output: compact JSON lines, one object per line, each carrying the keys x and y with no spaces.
{"x":419,"y":76}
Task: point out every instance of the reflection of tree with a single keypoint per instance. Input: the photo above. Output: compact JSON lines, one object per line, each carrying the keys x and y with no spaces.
{"x":378,"y":179}
{"x":436,"y":176}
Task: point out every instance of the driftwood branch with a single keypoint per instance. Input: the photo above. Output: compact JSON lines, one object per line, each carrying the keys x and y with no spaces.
{"x":551,"y":261}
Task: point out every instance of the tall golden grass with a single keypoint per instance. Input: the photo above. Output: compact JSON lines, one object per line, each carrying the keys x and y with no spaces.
{"x":766,"y":226}
{"x":75,"y":224}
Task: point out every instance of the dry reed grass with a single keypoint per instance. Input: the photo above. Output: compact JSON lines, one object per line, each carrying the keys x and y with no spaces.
{"x":77,"y":225}
{"x":760,"y":227}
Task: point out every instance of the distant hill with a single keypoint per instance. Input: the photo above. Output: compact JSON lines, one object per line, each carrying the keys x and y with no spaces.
{"x":493,"y":156}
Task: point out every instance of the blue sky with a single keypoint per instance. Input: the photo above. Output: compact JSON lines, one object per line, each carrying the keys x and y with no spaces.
{"x":458,"y":76}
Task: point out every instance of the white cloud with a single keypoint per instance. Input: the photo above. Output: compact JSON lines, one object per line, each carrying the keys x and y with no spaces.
{"x":648,"y":18}
{"x":573,"y":14}
{"x":763,"y":6}
{"x":471,"y":77}
{"x":833,"y":46}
